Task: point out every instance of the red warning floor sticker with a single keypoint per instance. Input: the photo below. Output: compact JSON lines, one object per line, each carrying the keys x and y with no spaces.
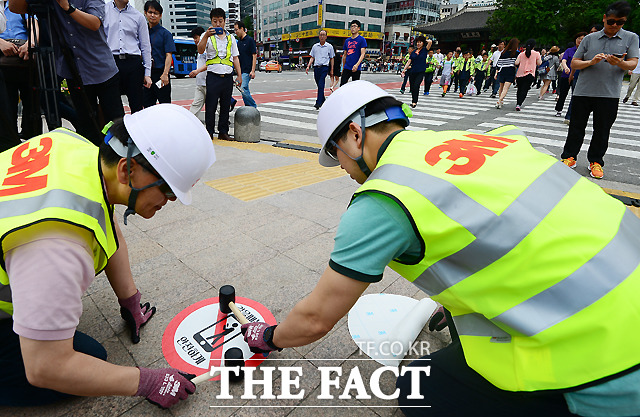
{"x":198,"y":336}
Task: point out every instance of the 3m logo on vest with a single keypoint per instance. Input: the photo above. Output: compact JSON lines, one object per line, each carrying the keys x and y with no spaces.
{"x":27,"y":160}
{"x":472,"y":153}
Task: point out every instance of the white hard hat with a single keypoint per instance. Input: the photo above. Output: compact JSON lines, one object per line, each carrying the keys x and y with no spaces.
{"x":340,"y":107}
{"x":175,"y":143}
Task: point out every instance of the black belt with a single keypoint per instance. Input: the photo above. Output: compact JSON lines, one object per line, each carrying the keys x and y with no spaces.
{"x":220,"y":75}
{"x":126,"y":56}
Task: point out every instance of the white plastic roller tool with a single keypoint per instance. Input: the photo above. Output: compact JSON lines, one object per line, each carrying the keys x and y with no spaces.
{"x":385,"y":326}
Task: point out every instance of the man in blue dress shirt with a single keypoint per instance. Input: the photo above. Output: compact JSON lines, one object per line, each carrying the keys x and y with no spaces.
{"x":162,"y":48}
{"x":128,"y":38}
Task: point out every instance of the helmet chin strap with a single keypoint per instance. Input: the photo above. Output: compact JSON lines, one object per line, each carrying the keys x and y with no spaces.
{"x":360,"y":160}
{"x":133,"y":196}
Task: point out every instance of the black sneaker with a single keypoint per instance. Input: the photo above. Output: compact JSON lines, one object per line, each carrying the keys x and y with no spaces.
{"x":492,"y":96}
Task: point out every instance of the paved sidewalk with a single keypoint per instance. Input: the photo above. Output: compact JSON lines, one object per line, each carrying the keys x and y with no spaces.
{"x":272,"y":249}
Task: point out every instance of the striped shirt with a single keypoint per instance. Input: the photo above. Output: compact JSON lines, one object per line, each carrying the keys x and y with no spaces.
{"x":507,"y":59}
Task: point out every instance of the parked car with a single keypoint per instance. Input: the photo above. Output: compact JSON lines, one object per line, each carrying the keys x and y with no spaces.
{"x":262,"y":66}
{"x":273,"y":66}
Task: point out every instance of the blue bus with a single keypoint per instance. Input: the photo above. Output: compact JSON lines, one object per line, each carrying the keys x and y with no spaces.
{"x":184,"y":60}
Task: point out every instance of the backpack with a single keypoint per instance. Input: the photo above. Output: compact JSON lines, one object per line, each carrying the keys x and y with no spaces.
{"x":544,"y":67}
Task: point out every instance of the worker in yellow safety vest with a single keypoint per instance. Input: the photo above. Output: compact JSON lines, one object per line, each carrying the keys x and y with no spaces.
{"x":221,"y":51}
{"x":537,"y":268}
{"x":58,"y":231}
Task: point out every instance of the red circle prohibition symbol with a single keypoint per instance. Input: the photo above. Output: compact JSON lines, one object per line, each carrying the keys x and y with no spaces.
{"x":197,"y":337}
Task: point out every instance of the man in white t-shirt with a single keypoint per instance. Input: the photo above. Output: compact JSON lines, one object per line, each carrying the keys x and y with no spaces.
{"x":494,"y":67}
{"x":222,"y":53}
{"x":200,"y":74}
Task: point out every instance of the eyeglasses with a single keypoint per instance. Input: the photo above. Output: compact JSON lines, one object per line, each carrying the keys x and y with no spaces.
{"x":163,"y":186}
{"x":331,"y":149}
{"x":612,"y":22}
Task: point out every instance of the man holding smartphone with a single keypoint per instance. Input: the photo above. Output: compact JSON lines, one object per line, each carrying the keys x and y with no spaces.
{"x":602,"y":58}
{"x":221,"y":51}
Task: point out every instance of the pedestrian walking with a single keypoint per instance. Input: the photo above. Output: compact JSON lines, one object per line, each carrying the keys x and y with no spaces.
{"x":494,"y":84}
{"x":566,"y":73}
{"x":467,"y":72}
{"x":482,"y":72}
{"x":552,"y":65}
{"x":429,"y":73}
{"x":200,"y":74}
{"x":418,"y":63}
{"x":602,"y":58}
{"x":633,"y":83}
{"x":322,"y":56}
{"x":405,"y":58}
{"x":527,"y":62}
{"x":337,"y":72}
{"x":355,"y":48}
{"x":247,"y":55}
{"x":447,"y":69}
{"x":506,"y":72}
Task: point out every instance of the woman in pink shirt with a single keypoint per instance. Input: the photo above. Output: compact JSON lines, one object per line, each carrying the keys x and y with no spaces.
{"x":527,"y":63}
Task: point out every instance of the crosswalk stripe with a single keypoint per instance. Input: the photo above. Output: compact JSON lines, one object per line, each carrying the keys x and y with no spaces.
{"x":541,"y":123}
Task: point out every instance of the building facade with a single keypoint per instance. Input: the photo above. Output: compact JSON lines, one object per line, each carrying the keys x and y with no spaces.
{"x":412,"y":12}
{"x":180,"y":16}
{"x":288,"y":28}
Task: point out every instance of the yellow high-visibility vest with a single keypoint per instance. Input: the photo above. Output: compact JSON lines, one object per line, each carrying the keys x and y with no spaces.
{"x":537,"y":265}
{"x":54,"y":176}
{"x":216,"y":58}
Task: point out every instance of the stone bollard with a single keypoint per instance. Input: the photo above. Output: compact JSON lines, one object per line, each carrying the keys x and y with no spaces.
{"x":246,"y":124}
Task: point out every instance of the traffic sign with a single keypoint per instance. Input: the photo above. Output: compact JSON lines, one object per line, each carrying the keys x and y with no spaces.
{"x":197,"y":337}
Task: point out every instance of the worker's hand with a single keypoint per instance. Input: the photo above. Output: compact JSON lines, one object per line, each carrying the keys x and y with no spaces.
{"x":165,"y":387}
{"x":438,"y":320}
{"x":135,"y":314}
{"x":258,"y":336}
{"x":23,"y":51}
{"x":193,"y":74}
{"x":147,"y":81}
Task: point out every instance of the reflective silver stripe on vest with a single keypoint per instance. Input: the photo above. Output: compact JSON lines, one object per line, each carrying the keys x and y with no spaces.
{"x":72,"y":134}
{"x":475,"y":324}
{"x":592,"y":281}
{"x":54,"y":198}
{"x":495,"y":236}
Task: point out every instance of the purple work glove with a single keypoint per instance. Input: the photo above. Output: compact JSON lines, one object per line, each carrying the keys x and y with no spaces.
{"x":259,"y":337}
{"x":135,"y":314}
{"x":438,"y":320}
{"x":165,"y":387}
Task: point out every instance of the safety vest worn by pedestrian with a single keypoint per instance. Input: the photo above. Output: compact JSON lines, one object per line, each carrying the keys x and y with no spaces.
{"x":482,"y":66}
{"x":216,"y":57}
{"x":53,"y":177}
{"x":432,"y":63}
{"x":457,"y":63}
{"x":537,"y":265}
